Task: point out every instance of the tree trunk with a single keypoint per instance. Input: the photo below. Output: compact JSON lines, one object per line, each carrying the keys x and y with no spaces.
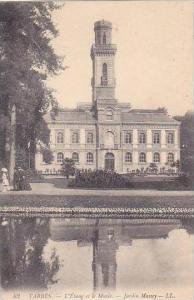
{"x":12,"y":142}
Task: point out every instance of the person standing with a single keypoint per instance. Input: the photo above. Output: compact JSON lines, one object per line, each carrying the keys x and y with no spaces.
{"x":16,"y":179}
{"x":20,"y":179}
{"x":5,"y":181}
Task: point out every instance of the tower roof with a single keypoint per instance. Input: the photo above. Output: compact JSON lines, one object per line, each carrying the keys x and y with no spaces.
{"x":102,"y":24}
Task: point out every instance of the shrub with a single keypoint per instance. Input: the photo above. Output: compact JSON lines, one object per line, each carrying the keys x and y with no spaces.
{"x":100,"y":179}
{"x":68,"y":167}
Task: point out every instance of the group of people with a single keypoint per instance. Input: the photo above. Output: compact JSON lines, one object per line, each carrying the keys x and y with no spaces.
{"x":20,"y":180}
{"x":100,"y":179}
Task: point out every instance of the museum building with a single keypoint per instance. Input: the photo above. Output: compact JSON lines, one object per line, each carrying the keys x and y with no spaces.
{"x":106,"y":134}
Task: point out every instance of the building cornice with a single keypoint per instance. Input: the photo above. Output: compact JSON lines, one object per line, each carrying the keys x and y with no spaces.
{"x":115,"y":123}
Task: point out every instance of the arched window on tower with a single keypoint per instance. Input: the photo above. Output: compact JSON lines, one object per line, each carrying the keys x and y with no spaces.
{"x":98,"y":38}
{"x":104,"y":38}
{"x":104,"y":70}
{"x":104,"y":78}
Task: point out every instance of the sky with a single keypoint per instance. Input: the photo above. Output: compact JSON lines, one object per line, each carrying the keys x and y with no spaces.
{"x":154,"y":60}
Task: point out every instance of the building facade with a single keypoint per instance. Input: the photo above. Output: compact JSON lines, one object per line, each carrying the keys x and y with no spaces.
{"x":106,"y":134}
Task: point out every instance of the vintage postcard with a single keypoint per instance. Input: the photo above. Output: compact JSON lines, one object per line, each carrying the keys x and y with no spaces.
{"x":96,"y":150}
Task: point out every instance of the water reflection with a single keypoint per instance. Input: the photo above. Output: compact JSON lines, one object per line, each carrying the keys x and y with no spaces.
{"x":109,"y":253}
{"x":21,"y":248}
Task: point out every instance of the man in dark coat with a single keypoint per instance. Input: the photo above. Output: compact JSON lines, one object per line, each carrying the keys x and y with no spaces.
{"x":21,"y":179}
{"x":16,"y":178}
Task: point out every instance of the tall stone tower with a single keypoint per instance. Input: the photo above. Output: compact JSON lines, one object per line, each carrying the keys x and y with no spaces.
{"x":103,"y":54}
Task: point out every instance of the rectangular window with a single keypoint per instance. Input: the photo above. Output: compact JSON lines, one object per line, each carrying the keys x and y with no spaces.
{"x":75,"y":137}
{"x":156,"y":137}
{"x":128,"y":137}
{"x":142,"y":138}
{"x":170,"y":137}
{"x":90,"y":138}
{"x":60,"y":137}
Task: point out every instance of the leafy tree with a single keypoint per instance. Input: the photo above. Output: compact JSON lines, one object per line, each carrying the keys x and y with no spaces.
{"x":27,"y":58}
{"x":47,"y":155}
{"x":22,"y":253}
{"x":68,"y":167}
{"x":22,"y":159}
{"x":187,"y":143}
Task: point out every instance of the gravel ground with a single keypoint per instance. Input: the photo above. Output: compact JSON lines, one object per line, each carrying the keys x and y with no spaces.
{"x":47,"y":195}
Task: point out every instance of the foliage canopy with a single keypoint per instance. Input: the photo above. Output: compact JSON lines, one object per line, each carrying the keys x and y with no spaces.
{"x":27,"y":58}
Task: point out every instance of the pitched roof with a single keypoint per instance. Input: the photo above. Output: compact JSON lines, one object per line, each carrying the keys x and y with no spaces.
{"x":132,"y":116}
{"x":147,"y":116}
{"x":70,"y":115}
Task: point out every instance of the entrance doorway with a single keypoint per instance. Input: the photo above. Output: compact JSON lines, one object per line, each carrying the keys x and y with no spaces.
{"x":109,"y":161}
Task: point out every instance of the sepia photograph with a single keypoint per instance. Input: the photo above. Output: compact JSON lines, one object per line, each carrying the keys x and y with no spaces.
{"x":97,"y":150}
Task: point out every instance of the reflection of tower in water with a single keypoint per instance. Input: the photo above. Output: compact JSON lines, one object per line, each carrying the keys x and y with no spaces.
{"x":104,"y":258}
{"x":18,"y":236}
{"x":106,"y":235}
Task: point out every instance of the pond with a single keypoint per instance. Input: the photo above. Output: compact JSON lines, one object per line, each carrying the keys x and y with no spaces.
{"x":128,"y":258}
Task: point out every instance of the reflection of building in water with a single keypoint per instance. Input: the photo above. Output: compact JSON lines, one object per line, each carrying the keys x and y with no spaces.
{"x":21,"y":247}
{"x":104,"y":258}
{"x":188,"y":224}
{"x":106,"y":235}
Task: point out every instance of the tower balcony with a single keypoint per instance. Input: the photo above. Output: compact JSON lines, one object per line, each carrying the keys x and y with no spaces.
{"x":104,"y":46}
{"x":103,"y":49}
